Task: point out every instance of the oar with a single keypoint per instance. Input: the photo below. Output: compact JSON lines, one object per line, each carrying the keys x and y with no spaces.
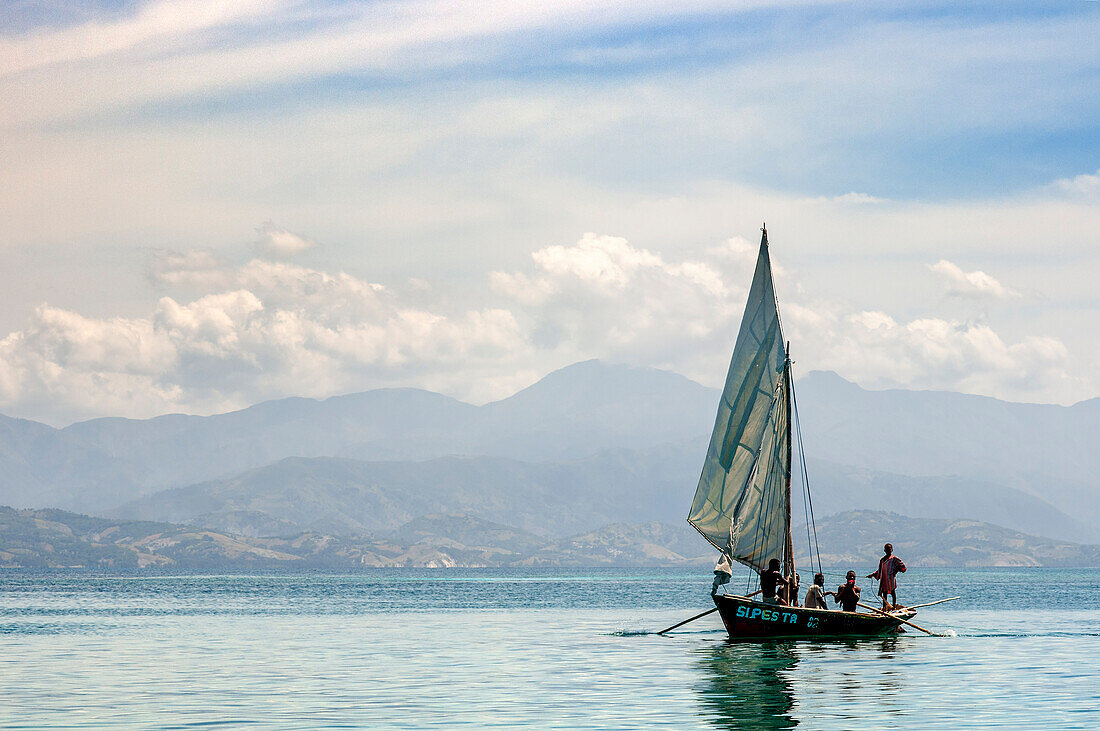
{"x":681,"y":624}
{"x":903,"y":621}
{"x":697,"y":616}
{"x":928,"y":604}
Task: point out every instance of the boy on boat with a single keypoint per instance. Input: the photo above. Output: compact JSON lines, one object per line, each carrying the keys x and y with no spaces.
{"x":847,"y":595}
{"x":791,"y":594}
{"x":888,"y":568}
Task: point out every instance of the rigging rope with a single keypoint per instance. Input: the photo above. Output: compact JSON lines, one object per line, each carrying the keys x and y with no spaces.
{"x":806,"y":481}
{"x":805,"y":513}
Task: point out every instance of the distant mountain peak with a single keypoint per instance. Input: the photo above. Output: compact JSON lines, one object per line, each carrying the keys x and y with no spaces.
{"x":594,"y":368}
{"x":826,"y":378}
{"x":586,"y":378}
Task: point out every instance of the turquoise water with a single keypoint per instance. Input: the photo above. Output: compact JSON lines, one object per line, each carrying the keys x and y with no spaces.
{"x":529,"y":649}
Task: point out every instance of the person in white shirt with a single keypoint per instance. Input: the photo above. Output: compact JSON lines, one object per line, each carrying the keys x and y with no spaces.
{"x":815,"y":595}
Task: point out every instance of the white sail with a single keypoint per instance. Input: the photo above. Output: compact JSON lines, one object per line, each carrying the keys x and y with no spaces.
{"x":742,"y":504}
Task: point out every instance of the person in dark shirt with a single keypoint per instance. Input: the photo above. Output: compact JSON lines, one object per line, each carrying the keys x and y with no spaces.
{"x":770,"y":580}
{"x":848,"y":594}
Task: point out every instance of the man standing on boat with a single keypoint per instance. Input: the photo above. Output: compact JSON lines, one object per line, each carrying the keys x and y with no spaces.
{"x":888,"y":568}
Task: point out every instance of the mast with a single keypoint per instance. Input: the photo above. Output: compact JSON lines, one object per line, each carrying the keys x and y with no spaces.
{"x":789,"y":543}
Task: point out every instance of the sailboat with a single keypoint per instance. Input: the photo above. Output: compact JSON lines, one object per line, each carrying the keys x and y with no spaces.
{"x":742,"y":505}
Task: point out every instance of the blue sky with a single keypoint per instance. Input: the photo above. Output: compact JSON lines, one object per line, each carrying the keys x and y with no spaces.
{"x":432,"y":149}
{"x":930,"y":101}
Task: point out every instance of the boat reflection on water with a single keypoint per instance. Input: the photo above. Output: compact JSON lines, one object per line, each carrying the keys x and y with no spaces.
{"x":755,"y":685}
{"x":748,"y":686}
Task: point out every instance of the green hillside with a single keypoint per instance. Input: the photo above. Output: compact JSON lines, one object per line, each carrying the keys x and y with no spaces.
{"x":40,"y":539}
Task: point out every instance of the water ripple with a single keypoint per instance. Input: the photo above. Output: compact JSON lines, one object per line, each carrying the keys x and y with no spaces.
{"x":552,"y":649}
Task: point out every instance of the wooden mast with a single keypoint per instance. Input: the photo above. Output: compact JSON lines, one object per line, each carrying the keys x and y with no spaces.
{"x":789,"y":546}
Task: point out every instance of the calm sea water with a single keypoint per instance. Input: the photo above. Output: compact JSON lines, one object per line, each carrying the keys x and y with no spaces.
{"x":529,"y":649}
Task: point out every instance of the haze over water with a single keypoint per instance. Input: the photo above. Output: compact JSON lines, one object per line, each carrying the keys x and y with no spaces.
{"x":554,"y":648}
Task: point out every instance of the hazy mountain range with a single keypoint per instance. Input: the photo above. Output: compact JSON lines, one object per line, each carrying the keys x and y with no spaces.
{"x":350,"y":497}
{"x":572,"y":413}
{"x":588,"y":445}
{"x":1044,"y":449}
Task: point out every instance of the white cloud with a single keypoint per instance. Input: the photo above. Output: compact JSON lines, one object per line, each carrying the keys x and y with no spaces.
{"x":285,"y":330}
{"x":1083,"y":186}
{"x":267,"y":329}
{"x":971,"y":284}
{"x":741,"y":253}
{"x":198,"y":268}
{"x":875,"y":350}
{"x":604,"y":297}
{"x":854,"y":198}
{"x":737,"y":249}
{"x":62,"y":364}
{"x":630,"y":304}
{"x":606,"y":262}
{"x":521,"y":288}
{"x":276,"y":241}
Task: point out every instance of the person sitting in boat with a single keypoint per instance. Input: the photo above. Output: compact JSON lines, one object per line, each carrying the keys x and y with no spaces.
{"x":847,"y":595}
{"x":770,"y":580}
{"x":815,"y":595}
{"x":791,"y":593}
{"x":889,"y":566}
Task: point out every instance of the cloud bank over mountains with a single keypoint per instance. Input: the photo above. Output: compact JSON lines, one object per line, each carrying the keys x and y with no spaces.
{"x":269,"y":327}
{"x":427,"y":172}
{"x":265,"y":328}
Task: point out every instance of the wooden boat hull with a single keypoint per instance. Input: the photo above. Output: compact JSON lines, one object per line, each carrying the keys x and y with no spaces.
{"x":748,"y":619}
